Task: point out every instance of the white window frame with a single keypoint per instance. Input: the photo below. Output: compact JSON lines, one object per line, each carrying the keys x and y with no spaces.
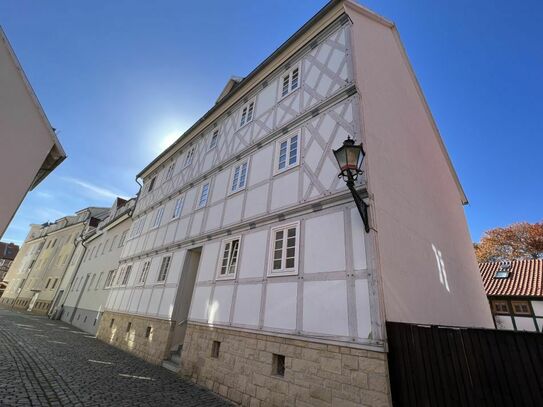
{"x":288,"y":75}
{"x":215,"y":134}
{"x":144,"y":272}
{"x":158,"y":217}
{"x":233,"y":188}
{"x":233,"y":275}
{"x":189,"y":156}
{"x":178,"y":207}
{"x":122,"y":239}
{"x":288,"y":139}
{"x":126,"y":275}
{"x":245,"y":110}
{"x":163,"y":281}
{"x":169,"y":172}
{"x":199,"y":204}
{"x":284,"y":271}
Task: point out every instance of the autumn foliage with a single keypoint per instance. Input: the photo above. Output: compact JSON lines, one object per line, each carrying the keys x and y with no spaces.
{"x":514,"y":242}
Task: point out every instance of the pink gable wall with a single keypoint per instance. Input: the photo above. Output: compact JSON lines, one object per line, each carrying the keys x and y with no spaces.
{"x":417,"y":203}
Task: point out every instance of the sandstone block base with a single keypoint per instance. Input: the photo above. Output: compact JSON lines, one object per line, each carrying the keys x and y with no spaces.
{"x":129,"y":332}
{"x":315,"y":374}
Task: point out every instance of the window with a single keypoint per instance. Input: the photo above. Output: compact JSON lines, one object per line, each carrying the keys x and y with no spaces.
{"x":189,"y":157}
{"x":144,"y":272}
{"x":284,"y":256}
{"x":128,"y":327}
{"x":109,"y":278}
{"x":169,"y":173}
{"x":123,"y":238}
{"x":112,"y":322}
{"x":99,"y":247}
{"x":278,"y":365}
{"x":54,"y":283}
{"x":48,"y":282}
{"x":178,"y":207}
{"x":239,"y":177}
{"x":98,"y":280}
{"x":215,"y":348}
{"x":290,"y":81}
{"x":151,"y":184}
{"x":158,"y":217}
{"x":521,"y":307}
{"x":148,"y":332}
{"x":126,"y":275}
{"x":247,"y":112}
{"x":91,"y":282}
{"x":164,"y":267}
{"x":92,"y":252}
{"x":287,"y":153}
{"x":504,"y":270}
{"x":105,"y":245}
{"x":214,"y":139}
{"x":137,"y":227}
{"x":500,"y":307}
{"x":113,"y":243}
{"x":120,"y":276}
{"x":229,"y":260}
{"x":204,"y":193}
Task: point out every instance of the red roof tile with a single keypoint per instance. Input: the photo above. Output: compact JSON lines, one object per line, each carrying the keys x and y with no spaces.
{"x":525,"y":278}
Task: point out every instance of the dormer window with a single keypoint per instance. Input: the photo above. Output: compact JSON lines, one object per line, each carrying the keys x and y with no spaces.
{"x":247,"y":112}
{"x":504,"y":270}
{"x":290,"y":81}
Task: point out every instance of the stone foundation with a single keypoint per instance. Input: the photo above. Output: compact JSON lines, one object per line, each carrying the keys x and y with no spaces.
{"x":153,"y":349}
{"x":315,"y":374}
{"x":21,"y":304}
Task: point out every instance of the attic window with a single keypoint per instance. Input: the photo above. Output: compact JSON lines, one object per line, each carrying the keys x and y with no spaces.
{"x":247,"y":113}
{"x":504,"y":271}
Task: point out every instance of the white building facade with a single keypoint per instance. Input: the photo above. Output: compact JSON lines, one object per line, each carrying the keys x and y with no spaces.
{"x":247,"y":252}
{"x":95,"y":269}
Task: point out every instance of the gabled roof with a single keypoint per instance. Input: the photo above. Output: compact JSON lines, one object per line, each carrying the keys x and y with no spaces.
{"x":525,"y":278}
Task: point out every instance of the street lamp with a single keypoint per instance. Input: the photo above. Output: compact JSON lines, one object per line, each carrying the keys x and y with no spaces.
{"x":349,"y":158}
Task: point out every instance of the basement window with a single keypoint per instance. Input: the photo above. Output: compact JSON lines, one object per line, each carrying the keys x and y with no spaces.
{"x":215,"y":348}
{"x":128,"y":327}
{"x":278,"y":365}
{"x":148,"y":332}
{"x":112,"y":322}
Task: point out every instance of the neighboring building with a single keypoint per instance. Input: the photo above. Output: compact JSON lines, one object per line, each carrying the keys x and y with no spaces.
{"x":8,"y":251}
{"x":29,"y":148}
{"x":38,"y":270}
{"x":515,"y":293}
{"x":248,"y":253}
{"x":95,"y":262}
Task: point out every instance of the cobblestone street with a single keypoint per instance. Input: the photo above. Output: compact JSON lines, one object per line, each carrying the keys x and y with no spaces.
{"x":50,"y":363}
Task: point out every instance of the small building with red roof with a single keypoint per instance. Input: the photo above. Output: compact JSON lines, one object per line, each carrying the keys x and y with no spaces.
{"x":515,"y":292}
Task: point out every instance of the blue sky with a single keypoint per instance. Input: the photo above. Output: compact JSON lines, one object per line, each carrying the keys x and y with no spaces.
{"x":119,"y":80}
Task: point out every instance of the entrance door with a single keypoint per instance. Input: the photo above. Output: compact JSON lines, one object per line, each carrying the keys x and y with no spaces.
{"x":184,"y":295}
{"x":32,"y":302}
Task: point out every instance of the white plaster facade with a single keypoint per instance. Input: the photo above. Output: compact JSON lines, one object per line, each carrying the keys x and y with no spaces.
{"x":343,"y":287}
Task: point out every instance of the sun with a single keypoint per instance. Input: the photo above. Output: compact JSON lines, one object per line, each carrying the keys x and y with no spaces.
{"x":168,"y":140}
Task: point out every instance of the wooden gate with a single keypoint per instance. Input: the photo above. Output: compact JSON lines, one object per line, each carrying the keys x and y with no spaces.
{"x":444,"y":366}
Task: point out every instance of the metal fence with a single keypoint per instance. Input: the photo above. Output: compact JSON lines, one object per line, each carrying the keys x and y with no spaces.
{"x":444,"y":366}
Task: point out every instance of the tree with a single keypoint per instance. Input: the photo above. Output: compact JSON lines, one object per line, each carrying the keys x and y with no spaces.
{"x":515,"y":242}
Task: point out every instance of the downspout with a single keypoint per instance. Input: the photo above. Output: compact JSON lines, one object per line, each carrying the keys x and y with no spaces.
{"x":73,"y":279}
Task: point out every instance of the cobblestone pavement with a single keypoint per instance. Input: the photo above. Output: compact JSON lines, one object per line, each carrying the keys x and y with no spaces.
{"x":51,"y":363}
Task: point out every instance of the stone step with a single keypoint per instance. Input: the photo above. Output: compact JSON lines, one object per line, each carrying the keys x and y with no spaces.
{"x":175,"y":358}
{"x":171,"y":366}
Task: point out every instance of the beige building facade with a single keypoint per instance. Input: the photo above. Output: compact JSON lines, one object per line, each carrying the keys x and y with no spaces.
{"x":38,"y":271}
{"x":94,"y":269}
{"x":29,"y":148}
{"x":250,"y":269}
